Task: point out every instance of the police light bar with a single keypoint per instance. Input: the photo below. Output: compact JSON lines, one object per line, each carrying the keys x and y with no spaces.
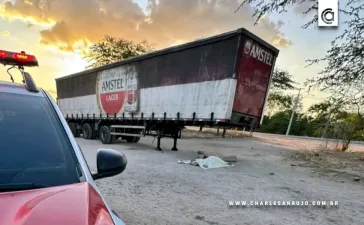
{"x":17,"y":59}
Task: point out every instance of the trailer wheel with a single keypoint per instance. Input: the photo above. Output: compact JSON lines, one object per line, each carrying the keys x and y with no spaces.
{"x":132,"y":139}
{"x":78,"y":132}
{"x":73,"y":128}
{"x":93,"y":131}
{"x":105,"y":135}
{"x":87,"y":131}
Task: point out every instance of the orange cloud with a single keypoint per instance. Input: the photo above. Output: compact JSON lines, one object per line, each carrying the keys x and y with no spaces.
{"x":5,"y":33}
{"x":32,"y":11}
{"x":76,"y":24}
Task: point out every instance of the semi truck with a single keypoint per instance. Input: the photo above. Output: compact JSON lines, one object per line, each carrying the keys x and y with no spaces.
{"x":219,"y":81}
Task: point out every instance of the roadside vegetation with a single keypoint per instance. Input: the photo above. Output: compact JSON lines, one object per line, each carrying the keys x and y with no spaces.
{"x":341,"y":116}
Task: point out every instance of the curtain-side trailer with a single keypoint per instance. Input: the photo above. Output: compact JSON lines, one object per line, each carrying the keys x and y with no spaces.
{"x":218,"y":81}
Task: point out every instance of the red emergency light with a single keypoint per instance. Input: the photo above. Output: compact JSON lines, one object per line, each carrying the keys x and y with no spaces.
{"x":17,"y":59}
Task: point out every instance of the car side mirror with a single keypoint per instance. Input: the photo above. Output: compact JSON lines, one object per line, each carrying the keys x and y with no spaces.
{"x":109,"y":163}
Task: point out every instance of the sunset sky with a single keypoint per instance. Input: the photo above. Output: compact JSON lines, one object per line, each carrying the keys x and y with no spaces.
{"x":58,"y":31}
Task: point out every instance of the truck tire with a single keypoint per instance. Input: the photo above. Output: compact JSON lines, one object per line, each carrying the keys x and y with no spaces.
{"x":105,"y":136}
{"x":73,"y":128}
{"x":87,"y":131}
{"x":132,"y":139}
{"x":78,"y":132}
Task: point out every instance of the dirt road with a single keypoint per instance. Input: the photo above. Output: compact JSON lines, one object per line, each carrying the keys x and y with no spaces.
{"x":283,"y":141}
{"x":154,"y":189}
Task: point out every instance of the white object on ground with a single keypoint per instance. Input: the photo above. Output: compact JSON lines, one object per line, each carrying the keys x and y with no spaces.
{"x":212,"y":162}
{"x":184,"y":162}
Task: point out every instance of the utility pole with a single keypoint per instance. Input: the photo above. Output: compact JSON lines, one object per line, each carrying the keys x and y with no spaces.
{"x":293,"y":111}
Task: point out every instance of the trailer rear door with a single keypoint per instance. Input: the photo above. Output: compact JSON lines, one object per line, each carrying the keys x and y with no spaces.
{"x":254,"y":70}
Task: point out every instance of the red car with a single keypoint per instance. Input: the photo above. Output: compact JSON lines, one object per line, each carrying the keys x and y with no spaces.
{"x":44,"y":178}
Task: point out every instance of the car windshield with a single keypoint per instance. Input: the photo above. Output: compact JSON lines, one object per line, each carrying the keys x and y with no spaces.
{"x":34,"y":148}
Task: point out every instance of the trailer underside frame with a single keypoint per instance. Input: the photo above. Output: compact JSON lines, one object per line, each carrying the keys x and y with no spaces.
{"x":132,"y":129}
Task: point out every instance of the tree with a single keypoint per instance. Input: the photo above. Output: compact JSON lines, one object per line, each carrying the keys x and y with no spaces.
{"x":112,"y":49}
{"x":320,"y":110}
{"x":344,"y":61}
{"x":278,"y":100}
{"x":322,"y":114}
{"x":341,"y":116}
{"x":351,"y":126}
{"x":278,"y":123}
{"x":282,"y":80}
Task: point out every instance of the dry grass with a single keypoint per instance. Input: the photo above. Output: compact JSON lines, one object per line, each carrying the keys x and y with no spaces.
{"x":304,"y":144}
{"x":331,"y":159}
{"x":330,"y":162}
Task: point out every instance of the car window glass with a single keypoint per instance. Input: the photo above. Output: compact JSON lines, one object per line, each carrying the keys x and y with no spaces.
{"x":33,"y":146}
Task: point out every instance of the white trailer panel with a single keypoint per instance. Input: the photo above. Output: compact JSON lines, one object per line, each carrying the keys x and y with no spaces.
{"x":202,"y":98}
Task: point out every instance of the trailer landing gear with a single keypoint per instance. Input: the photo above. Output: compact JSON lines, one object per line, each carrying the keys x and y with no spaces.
{"x":174,"y":148}
{"x":174,"y":144}
{"x":158,"y":148}
{"x":224,"y":132}
{"x":175,"y":136}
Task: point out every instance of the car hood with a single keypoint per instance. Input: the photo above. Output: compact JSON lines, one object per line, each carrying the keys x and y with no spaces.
{"x":77,"y":204}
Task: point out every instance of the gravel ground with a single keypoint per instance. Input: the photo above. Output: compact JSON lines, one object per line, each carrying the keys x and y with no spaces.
{"x":154,"y":189}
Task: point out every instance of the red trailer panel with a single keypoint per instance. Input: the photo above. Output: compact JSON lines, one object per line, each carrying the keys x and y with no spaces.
{"x":254,"y":71}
